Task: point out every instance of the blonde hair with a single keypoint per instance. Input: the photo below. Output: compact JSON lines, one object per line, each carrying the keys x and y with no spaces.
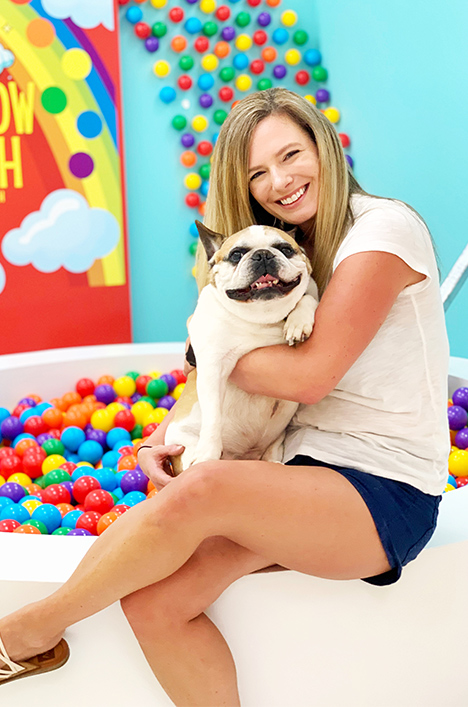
{"x":230,"y":207}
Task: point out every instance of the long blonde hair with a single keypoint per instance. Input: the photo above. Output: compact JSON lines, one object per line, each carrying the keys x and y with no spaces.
{"x":230,"y":207}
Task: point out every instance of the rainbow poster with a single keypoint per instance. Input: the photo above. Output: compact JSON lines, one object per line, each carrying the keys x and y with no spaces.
{"x":63,"y":248}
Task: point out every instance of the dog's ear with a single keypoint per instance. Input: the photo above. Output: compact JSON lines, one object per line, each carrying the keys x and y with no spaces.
{"x":211,"y":240}
{"x":292,"y":232}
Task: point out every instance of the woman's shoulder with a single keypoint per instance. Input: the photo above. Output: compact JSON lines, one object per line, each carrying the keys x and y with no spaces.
{"x":369,"y":208}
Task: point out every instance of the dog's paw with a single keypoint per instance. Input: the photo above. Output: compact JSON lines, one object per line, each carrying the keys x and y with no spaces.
{"x":296,"y":329}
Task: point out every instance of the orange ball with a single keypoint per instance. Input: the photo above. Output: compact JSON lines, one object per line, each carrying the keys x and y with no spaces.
{"x":151,"y":486}
{"x":273,"y":3}
{"x":178,"y":43}
{"x":269,"y":54}
{"x":36,"y":398}
{"x":188,"y":158}
{"x":34,"y":490}
{"x":60,"y":404}
{"x":202,"y":208}
{"x":65,"y":508}
{"x":71,"y":398}
{"x":222,"y":49}
{"x":75,"y":418}
{"x":128,"y":462}
{"x":106,"y":520}
{"x":52,"y":417}
{"x":106,"y":380}
{"x":27,"y":530}
{"x":453,"y":434}
{"x":24,"y":444}
{"x":152,"y":493}
{"x":89,"y":399}
{"x":234,"y":104}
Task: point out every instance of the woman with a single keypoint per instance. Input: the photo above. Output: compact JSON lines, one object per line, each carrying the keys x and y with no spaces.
{"x":365,"y":455}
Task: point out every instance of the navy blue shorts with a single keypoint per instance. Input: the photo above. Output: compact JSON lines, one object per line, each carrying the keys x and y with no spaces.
{"x":405,"y":517}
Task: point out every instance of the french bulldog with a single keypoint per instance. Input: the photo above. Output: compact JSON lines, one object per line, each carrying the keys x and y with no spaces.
{"x":260,"y":293}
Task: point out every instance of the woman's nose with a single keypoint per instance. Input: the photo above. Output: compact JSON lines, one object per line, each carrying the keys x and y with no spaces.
{"x":280,"y":179}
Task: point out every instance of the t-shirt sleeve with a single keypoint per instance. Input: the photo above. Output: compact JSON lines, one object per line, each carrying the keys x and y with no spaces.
{"x":391,"y":229}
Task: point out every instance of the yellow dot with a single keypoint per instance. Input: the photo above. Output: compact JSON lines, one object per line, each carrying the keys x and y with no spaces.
{"x":289,"y":18}
{"x":199,"y":123}
{"x":159,"y":4}
{"x":243,"y":82}
{"x":243,"y":42}
{"x":207,"y":6}
{"x":194,"y":271}
{"x":292,"y":57}
{"x":210,"y":62}
{"x":333,"y":114}
{"x":193,"y":181}
{"x":76,"y":64}
{"x":161,"y":69}
{"x":311,"y":99}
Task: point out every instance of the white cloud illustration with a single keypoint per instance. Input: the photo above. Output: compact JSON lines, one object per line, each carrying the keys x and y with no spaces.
{"x":65,"y":232}
{"x":2,"y":278}
{"x":84,"y":13}
{"x":6,"y":58}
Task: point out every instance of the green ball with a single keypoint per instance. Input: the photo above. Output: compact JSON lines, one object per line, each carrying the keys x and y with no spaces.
{"x":133,"y":374}
{"x":137,"y":432}
{"x":264,"y":84}
{"x":219,"y":116}
{"x":300,"y":37}
{"x":53,"y":446}
{"x":147,"y":399}
{"x":319,"y":73}
{"x":205,"y":170}
{"x":159,"y":29}
{"x":61,"y":531}
{"x":57,"y":476}
{"x":179,"y":122}
{"x":40,"y":481}
{"x":186,"y":62}
{"x":210,"y":28}
{"x":157,"y":388}
{"x":193,"y":247}
{"x":116,"y":498}
{"x":227,"y":74}
{"x":242,"y":19}
{"x":37,"y":524}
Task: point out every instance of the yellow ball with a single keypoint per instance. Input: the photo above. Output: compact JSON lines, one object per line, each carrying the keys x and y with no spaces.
{"x":177,"y":392}
{"x":31,"y":505}
{"x":102,"y":420}
{"x":448,"y":488}
{"x":458,"y":463}
{"x":2,"y":481}
{"x":333,"y":114}
{"x":161,"y":69}
{"x":243,"y":82}
{"x":124,"y":386}
{"x":289,"y":18}
{"x":199,"y":123}
{"x":20,"y":478}
{"x":114,"y":408}
{"x":85,"y":464}
{"x":210,"y":62}
{"x":158,"y":4}
{"x":194,"y":271}
{"x":292,"y":57}
{"x":243,"y":42}
{"x":207,"y":6}
{"x":140,"y":410}
{"x":193,"y":181}
{"x":155,"y":374}
{"x":157,"y":415}
{"x":311,"y":99}
{"x":53,"y":461}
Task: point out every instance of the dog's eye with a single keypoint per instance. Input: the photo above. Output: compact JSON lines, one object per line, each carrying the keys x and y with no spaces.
{"x":236,"y":255}
{"x":286,"y":250}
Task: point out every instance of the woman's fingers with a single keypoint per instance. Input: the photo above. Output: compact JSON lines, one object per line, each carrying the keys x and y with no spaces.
{"x":155,"y":463}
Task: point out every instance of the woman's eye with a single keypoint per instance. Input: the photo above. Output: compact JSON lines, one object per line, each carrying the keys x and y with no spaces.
{"x":254,"y":176}
{"x":290,"y":154}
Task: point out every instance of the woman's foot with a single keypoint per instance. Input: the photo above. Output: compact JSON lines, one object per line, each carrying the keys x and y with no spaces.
{"x":25,"y":633}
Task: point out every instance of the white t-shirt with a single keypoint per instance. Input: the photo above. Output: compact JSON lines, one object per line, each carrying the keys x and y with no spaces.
{"x":388,"y":414}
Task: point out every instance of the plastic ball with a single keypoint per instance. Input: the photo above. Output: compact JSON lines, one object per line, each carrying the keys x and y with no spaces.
{"x":48,"y":514}
{"x":300,"y":37}
{"x":205,"y":100}
{"x":264,"y":84}
{"x":134,"y":480}
{"x":293,"y":57}
{"x":11,"y":427}
{"x":228,"y":33}
{"x":56,"y":493}
{"x":71,"y":518}
{"x":279,"y":71}
{"x":125,"y":419}
{"x":223,"y":13}
{"x":161,"y":69}
{"x":226,"y":94}
{"x":192,"y":200}
{"x":192,"y":181}
{"x":260,"y":37}
{"x":311,"y":99}
{"x":176,"y":14}
{"x":199,"y":124}
{"x":210,"y":28}
{"x":15,"y":512}
{"x":106,"y":520}
{"x":289,"y":18}
{"x":142,"y":30}
{"x":159,"y":29}
{"x":56,"y":476}
{"x":257,"y":66}
{"x":322,"y":95}
{"x":84,"y":387}
{"x":134,"y":15}
{"x":205,"y":82}
{"x":253,"y":3}
{"x":210,"y":62}
{"x":269,"y":54}
{"x":72,"y":437}
{"x":158,"y":4}
{"x":462,"y":481}
{"x":186,"y":63}
{"x":207,"y":6}
{"x":264,"y":19}
{"x":193,"y":25}
{"x":188,"y":158}
{"x":179,"y":122}
{"x":152,"y":44}
{"x":83,"y":486}
{"x":302,"y":77}
{"x":52,"y":462}
{"x":133,"y":498}
{"x":178,"y":43}
{"x":243,"y":82}
{"x":28,"y":530}
{"x":125,"y":385}
{"x":312,"y":57}
{"x":90,"y":451}
{"x":280,"y":36}
{"x":241,"y":61}
{"x":204,"y":171}
{"x":201,"y":44}
{"x":457,"y":417}
{"x":319,"y":73}
{"x":10,"y":465}
{"x":333,"y":114}
{"x":222,"y":50}
{"x":99,"y":501}
{"x":460,"y":397}
{"x":242,"y":19}
{"x":243,"y":42}
{"x":457,"y":463}
{"x":167,"y":94}
{"x":53,"y":446}
{"x":346,"y":142}
{"x":185,"y":83}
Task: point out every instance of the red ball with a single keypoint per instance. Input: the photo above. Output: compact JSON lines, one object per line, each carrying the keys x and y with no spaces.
{"x":10,"y":465}
{"x":124,"y":2}
{"x":185,"y":82}
{"x":32,"y":461}
{"x":55,"y":433}
{"x":126,"y":451}
{"x":121,"y":508}
{"x":142,"y":30}
{"x":6,"y":452}
{"x":124,"y":399}
{"x":201,"y":44}
{"x":56,"y":493}
{"x":99,"y":501}
{"x":223,"y":13}
{"x":462,"y":481}
{"x":204,"y":148}
{"x":68,"y":467}
{"x":253,"y":3}
{"x":35,"y":425}
{"x":84,"y":387}
{"x":8,"y":526}
{"x":89,"y":520}
{"x":179,"y":375}
{"x":149,"y":429}
{"x":176,"y":14}
{"x":125,"y":419}
{"x":83,"y":486}
{"x":141,"y":383}
{"x":226,"y":93}
{"x":192,"y":200}
{"x":19,"y":409}
{"x":345,"y":141}
{"x":302,"y":77}
{"x":260,"y":37}
{"x":257,"y":66}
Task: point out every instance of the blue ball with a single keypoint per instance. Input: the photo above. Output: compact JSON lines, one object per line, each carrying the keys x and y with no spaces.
{"x":204,"y":187}
{"x":4,"y":413}
{"x":215,"y":138}
{"x":118,"y":493}
{"x":72,"y":437}
{"x":42,"y":407}
{"x":205,"y":82}
{"x":23,"y":435}
{"x":115,"y":434}
{"x":106,"y":478}
{"x":5,"y":501}
{"x":22,"y":501}
{"x":134,"y":15}
{"x":71,"y":457}
{"x":452,"y":480}
{"x":167,"y":94}
{"x":312,"y":57}
{"x":193,"y":25}
{"x":90,"y":451}
{"x":193,"y":230}
{"x":81,"y":471}
{"x":280,"y":36}
{"x":16,"y":512}
{"x":49,"y":515}
{"x":70,"y":518}
{"x":241,"y":61}
{"x":119,"y":476}
{"x":133,"y":498}
{"x":119,"y":445}
{"x":30,"y":412}
{"x":110,"y":459}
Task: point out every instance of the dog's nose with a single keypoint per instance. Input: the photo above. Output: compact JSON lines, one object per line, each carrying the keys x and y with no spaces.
{"x":263,"y":255}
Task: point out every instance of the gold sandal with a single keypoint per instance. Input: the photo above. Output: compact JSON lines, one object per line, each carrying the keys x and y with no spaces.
{"x":41,"y":663}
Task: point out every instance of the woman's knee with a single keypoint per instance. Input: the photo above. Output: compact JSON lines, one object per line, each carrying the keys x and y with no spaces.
{"x":146,"y":612}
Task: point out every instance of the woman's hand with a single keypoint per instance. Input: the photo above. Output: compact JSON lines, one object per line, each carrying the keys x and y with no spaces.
{"x":154,"y":462}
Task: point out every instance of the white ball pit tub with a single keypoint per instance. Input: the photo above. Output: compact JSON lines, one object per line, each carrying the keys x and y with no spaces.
{"x":298,"y":641}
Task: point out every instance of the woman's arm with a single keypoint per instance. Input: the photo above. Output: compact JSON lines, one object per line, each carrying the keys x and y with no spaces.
{"x":354,"y":306}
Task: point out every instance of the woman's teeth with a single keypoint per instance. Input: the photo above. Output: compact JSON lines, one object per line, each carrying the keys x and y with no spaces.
{"x":291,"y":199}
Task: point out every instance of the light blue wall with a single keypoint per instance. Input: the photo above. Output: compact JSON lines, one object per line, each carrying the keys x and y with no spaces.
{"x":397,"y":71}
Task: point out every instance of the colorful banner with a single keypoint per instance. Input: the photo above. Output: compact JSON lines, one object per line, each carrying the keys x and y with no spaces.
{"x":63,"y":252}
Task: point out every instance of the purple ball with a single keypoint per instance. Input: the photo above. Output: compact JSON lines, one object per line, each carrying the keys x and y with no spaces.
{"x":264,"y":19}
{"x":134,"y":480}
{"x":135,"y":397}
{"x":170,"y":380}
{"x":322,"y":95}
{"x":228,"y":33}
{"x":205,"y":100}
{"x":78,"y":531}
{"x":105,"y":394}
{"x":87,"y":428}
{"x":166,"y":402}
{"x":97,"y":436}
{"x":28,"y":401}
{"x":69,"y":486}
{"x":152,"y":44}
{"x":11,"y":427}
{"x":349,"y":160}
{"x":460,"y":398}
{"x":187,"y":140}
{"x":457,"y":417}
{"x":279,"y":72}
{"x":191,"y":2}
{"x":43,"y":438}
{"x":461,"y":438}
{"x":13,"y":491}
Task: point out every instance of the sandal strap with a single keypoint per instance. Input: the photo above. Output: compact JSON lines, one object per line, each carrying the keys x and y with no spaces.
{"x":13,"y":667}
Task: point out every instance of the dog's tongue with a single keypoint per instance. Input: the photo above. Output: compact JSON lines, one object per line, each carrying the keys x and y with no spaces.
{"x":266,"y":278}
